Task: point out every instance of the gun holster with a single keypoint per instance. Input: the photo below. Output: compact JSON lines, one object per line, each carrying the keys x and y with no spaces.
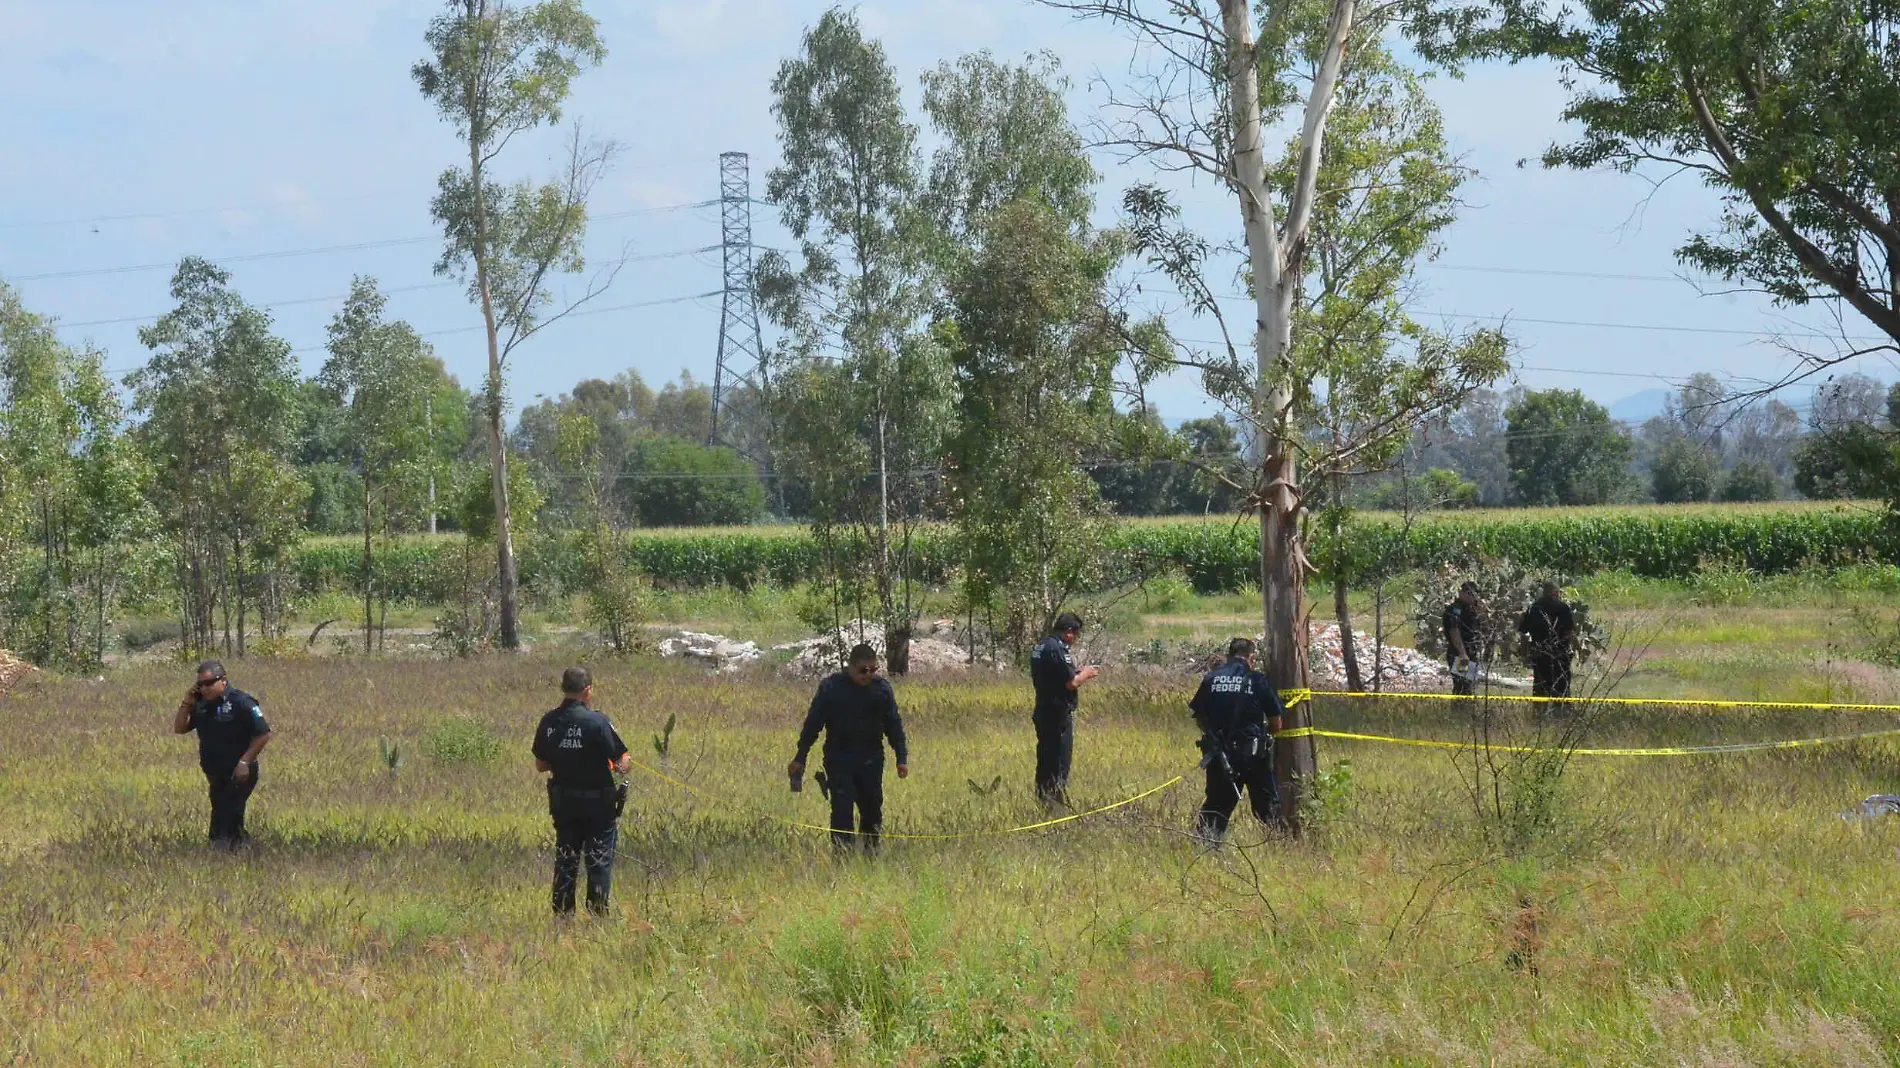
{"x":824,"y":784}
{"x":620,"y":798}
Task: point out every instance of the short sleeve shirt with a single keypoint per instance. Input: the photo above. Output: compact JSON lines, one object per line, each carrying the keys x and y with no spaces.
{"x":225,"y":728}
{"x":1468,"y":622}
{"x":1051,"y":668}
{"x":579,"y":745}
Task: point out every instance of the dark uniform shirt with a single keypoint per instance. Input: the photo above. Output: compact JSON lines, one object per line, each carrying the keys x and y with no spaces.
{"x":1235,"y":702}
{"x":225,"y":728}
{"x":1468,"y":622}
{"x":1549,"y":627}
{"x":1052,"y":668}
{"x":855,"y":720}
{"x":579,"y":745}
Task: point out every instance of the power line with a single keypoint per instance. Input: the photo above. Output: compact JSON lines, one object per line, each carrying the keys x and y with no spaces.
{"x":1593,"y":324}
{"x":584,"y":311}
{"x":139,"y":216}
{"x":317,"y":250}
{"x":675,"y":254}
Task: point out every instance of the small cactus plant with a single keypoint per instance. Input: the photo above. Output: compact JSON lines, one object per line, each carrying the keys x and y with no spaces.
{"x":985,"y":791}
{"x":391,"y":753}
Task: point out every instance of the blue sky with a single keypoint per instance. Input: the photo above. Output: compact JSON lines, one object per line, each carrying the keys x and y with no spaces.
{"x":137,"y":133}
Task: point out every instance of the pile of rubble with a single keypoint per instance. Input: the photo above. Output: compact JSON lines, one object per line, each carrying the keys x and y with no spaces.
{"x":1402,"y":668}
{"x":12,"y":670}
{"x":930,"y":651}
{"x":716,"y":651}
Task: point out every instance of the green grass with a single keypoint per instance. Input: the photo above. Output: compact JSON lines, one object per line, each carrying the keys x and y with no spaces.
{"x":1699,"y":911}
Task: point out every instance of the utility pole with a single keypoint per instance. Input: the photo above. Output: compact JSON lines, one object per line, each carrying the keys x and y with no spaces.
{"x":741,"y":356}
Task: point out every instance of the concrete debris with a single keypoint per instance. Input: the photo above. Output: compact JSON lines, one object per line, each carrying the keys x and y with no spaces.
{"x":819,"y":656}
{"x":1874,"y":807}
{"x":12,"y":670}
{"x":1402,"y":668}
{"x":722,"y":654}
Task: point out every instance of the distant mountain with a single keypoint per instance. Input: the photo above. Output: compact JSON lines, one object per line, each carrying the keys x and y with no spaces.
{"x":1639,"y":408}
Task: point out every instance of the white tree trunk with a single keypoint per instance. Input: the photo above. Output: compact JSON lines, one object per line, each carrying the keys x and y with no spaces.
{"x":1275,"y":258}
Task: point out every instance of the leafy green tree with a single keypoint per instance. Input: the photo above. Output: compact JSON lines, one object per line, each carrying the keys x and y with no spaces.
{"x":1750,"y":480}
{"x":1788,"y":109}
{"x":1563,"y":448}
{"x":379,"y":372}
{"x":847,"y":190}
{"x":625,"y":412}
{"x":1215,"y":465}
{"x":617,"y":601}
{"x":1035,"y":375}
{"x":1368,"y":373}
{"x":1855,"y":461}
{"x":217,"y":400}
{"x":678,"y":483}
{"x":1684,"y":471}
{"x":71,"y":516}
{"x":496,"y":71}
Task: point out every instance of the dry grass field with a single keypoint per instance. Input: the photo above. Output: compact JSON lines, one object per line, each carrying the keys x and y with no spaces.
{"x":1703,"y":910}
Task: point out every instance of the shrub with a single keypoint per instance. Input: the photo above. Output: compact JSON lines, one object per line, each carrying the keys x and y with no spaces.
{"x":463,"y":741}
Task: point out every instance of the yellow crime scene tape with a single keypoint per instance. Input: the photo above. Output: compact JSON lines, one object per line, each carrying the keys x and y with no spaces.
{"x":1292,"y":698}
{"x":991,"y":832}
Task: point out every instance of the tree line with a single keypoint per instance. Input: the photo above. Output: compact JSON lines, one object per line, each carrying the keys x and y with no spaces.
{"x":960,"y":336}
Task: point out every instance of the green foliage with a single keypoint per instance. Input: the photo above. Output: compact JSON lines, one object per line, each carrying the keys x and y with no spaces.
{"x":676,"y":483}
{"x":1684,"y":472}
{"x":1851,"y":461}
{"x":218,"y":401}
{"x":390,"y":752}
{"x":462,"y":741}
{"x":1749,"y":481}
{"x":1330,"y":798}
{"x":1563,"y":449}
{"x":1785,"y":108}
{"x":663,"y":741}
{"x":1505,"y":590}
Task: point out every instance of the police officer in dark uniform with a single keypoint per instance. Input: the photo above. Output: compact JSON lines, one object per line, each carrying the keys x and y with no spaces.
{"x":1549,"y":629}
{"x":1052,"y":669}
{"x":581,"y":749}
{"x":857,"y":710}
{"x":1238,"y":710}
{"x":231,"y":733}
{"x":1464,"y":638}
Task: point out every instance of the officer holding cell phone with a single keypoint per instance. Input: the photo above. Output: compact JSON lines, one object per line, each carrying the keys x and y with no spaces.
{"x":231,"y":733}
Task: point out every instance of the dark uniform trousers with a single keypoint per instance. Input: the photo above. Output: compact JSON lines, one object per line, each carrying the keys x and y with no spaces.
{"x":1550,"y":675}
{"x":1055,"y":751}
{"x":228,"y":799}
{"x":1254,"y":775}
{"x":585,"y":835}
{"x":856,"y":783}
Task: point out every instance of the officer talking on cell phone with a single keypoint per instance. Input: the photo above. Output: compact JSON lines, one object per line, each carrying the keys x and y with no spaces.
{"x":231,"y":733}
{"x":581,"y":751}
{"x":1238,"y":711}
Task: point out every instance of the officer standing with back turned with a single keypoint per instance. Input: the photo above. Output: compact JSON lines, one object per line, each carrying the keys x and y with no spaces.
{"x":1052,"y":669}
{"x":581,"y":749}
{"x":1549,"y":631}
{"x":1238,"y":710}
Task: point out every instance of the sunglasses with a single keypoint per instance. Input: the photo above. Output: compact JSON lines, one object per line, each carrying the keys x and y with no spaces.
{"x":864,"y":670}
